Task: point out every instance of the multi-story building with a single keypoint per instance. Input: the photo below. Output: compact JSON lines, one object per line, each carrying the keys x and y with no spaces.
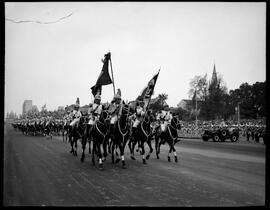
{"x":27,"y":106}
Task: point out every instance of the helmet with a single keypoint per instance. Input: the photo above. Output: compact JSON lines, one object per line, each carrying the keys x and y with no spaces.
{"x":97,"y":97}
{"x":118,"y":94}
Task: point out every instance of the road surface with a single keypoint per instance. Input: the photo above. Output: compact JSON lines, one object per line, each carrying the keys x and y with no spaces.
{"x":41,"y":172}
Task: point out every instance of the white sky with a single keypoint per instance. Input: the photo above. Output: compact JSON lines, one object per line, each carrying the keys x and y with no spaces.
{"x":56,"y":63}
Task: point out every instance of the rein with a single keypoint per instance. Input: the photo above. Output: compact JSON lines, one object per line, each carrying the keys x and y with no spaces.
{"x":118,"y":123}
{"x":147,"y":135}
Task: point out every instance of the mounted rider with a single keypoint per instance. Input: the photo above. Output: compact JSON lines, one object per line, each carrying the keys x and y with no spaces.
{"x":139,"y":114}
{"x":75,"y":115}
{"x":164,"y":118}
{"x":94,"y":112}
{"x":114,"y":109}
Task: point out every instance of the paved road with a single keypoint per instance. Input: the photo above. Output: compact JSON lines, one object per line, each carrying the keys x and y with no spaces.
{"x":42,"y":172}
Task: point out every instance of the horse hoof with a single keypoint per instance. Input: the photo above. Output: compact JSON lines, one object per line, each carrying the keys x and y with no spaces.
{"x":176,"y":159}
{"x":133,"y":158}
{"x":147,"y":157}
{"x":82,"y":159}
{"x":157,"y":157}
{"x":169,"y":159}
{"x":117,"y":160}
{"x":144,"y":161}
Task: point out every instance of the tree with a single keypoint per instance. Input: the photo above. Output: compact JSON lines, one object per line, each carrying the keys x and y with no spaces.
{"x":198,"y":84}
{"x":214,"y":105}
{"x":159,"y":102}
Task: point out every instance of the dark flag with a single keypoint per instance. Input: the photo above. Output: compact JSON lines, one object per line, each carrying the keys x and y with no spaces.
{"x":149,"y":89}
{"x":104,"y":77}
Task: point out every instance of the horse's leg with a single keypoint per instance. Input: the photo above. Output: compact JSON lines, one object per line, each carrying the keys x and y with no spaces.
{"x":71,"y":143}
{"x":174,"y":152}
{"x":99,"y":156}
{"x":93,"y":153}
{"x":122,"y":148}
{"x":151,"y":149}
{"x":84,"y":141}
{"x":169,"y":158}
{"x":156,"y":146}
{"x":133,"y":143}
{"x":112,"y":151}
{"x":143,"y":152}
{"x":116,"y":153}
{"x":89,"y":144}
{"x":104,"y":145}
{"x":75,"y":143}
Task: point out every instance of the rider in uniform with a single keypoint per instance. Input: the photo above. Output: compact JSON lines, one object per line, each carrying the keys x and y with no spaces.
{"x":76,"y":115}
{"x":94,"y":112}
{"x":114,"y":109}
{"x":139,"y":114}
{"x":164,"y":118}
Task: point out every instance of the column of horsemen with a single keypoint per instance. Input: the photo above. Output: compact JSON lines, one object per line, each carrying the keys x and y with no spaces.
{"x":133,"y":125}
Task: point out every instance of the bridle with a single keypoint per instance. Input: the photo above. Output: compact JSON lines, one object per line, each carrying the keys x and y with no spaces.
{"x":118,"y":123}
{"x":148,"y":120}
{"x":175,"y":128}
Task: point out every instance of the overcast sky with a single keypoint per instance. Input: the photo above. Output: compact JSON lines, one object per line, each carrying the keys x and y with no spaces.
{"x":57,"y":62}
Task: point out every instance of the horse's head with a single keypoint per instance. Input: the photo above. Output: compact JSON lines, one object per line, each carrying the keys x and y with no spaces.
{"x":104,"y":116}
{"x":175,"y":122}
{"x":125,"y":110}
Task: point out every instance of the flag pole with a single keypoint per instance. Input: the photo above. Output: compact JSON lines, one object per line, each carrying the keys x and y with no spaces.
{"x":112,"y":75}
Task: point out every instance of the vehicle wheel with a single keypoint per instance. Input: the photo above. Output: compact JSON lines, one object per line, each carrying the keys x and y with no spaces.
{"x":216,"y":138}
{"x":234,"y":138}
{"x":224,"y":133}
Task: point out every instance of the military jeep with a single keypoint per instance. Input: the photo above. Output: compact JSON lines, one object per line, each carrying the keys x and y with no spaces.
{"x":221,"y":134}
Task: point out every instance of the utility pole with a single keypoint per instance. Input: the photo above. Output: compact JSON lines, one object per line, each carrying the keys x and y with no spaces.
{"x":238,"y":113}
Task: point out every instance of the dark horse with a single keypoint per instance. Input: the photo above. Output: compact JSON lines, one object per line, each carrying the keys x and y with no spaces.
{"x":142,"y":135}
{"x":170,"y":136}
{"x":65,"y":129}
{"x":75,"y":133}
{"x":98,"y":136}
{"x":120,"y":133}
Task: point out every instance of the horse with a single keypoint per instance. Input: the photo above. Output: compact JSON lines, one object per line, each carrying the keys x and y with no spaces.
{"x":65,"y":130}
{"x":141,"y":136}
{"x":170,"y":136}
{"x":98,"y":136}
{"x":48,"y":129}
{"x":120,"y":134}
{"x":75,"y":133}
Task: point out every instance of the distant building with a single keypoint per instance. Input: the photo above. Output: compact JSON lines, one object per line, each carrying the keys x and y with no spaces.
{"x":27,"y":106}
{"x":185,"y":104}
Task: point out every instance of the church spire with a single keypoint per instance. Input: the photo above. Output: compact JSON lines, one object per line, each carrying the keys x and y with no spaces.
{"x":214,"y":75}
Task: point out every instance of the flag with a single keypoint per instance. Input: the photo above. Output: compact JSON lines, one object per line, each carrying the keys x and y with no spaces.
{"x":104,"y":77}
{"x":148,"y":90}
